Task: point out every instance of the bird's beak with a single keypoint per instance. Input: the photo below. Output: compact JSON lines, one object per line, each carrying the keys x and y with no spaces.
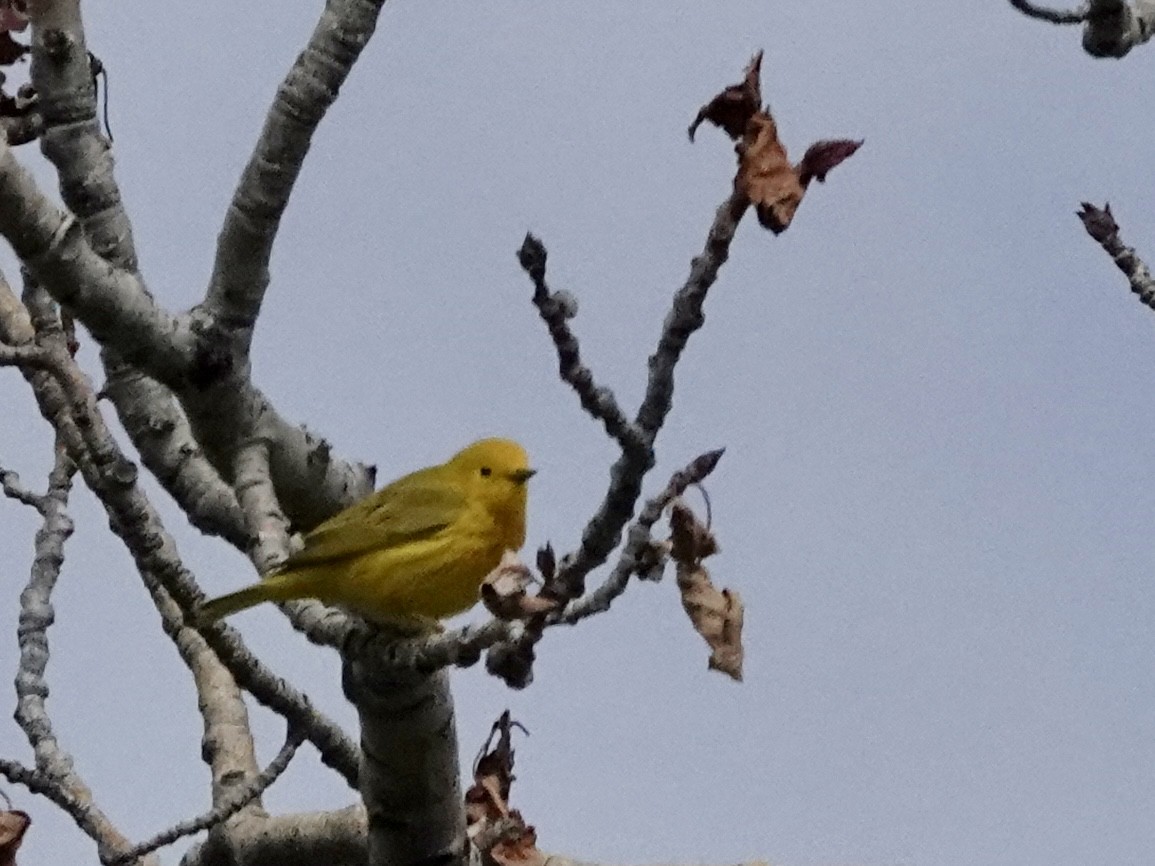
{"x":520,"y":476}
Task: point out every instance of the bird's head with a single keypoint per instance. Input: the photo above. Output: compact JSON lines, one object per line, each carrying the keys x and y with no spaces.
{"x":497,"y":471}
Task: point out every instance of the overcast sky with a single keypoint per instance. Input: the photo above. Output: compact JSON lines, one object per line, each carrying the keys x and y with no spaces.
{"x":936,"y":394}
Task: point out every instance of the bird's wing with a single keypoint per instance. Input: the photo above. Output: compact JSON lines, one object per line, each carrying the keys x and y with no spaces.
{"x":423,"y":507}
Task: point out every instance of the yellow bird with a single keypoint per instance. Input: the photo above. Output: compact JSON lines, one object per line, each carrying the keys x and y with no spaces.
{"x":417,"y":549}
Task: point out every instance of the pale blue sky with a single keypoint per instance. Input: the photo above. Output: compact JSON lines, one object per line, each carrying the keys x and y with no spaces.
{"x":935,"y":391}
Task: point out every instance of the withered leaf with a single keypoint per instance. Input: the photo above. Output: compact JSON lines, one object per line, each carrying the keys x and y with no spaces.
{"x":716,"y":615}
{"x":518,"y":847}
{"x":488,"y":797}
{"x":733,"y":107}
{"x":822,"y":156}
{"x":504,"y":591}
{"x":13,"y":825}
{"x":13,"y":15}
{"x":498,"y":831}
{"x":765,"y":175}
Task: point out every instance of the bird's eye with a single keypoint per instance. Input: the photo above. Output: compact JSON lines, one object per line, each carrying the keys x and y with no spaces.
{"x":486,"y":471}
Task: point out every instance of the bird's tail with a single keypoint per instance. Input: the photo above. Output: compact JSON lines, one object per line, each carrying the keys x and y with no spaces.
{"x":276,"y":587}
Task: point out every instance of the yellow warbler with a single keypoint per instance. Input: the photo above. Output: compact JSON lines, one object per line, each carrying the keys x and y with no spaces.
{"x":417,"y":549}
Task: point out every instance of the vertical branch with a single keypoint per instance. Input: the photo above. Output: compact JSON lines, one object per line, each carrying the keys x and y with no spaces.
{"x":409,"y":772}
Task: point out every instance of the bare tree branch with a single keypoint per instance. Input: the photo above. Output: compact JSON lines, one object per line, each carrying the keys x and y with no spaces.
{"x":305,"y":839}
{"x":269,"y":532}
{"x":227,"y":808}
{"x":23,"y":128}
{"x":112,"y":477}
{"x":1032,"y":10}
{"x":241,"y":270}
{"x":72,"y":140}
{"x":1111,"y":28}
{"x":268,"y":527}
{"x":632,"y":558}
{"x":74,"y":144}
{"x":410,"y":780}
{"x":1100,"y":225}
{"x":113,"y":304}
{"x":159,"y":429}
{"x":54,"y":775}
{"x":603,"y":532}
{"x":14,"y":488}
{"x":512,"y":660}
{"x":556,"y":309}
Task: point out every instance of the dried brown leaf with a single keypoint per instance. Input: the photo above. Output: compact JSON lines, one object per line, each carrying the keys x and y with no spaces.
{"x":13,"y":15}
{"x":488,"y":798}
{"x":13,"y":825}
{"x":716,"y":615}
{"x":691,"y":541}
{"x":518,"y":847}
{"x":733,"y":107}
{"x":765,"y":175}
{"x":822,"y":156}
{"x":504,"y":591}
{"x":499,"y":832}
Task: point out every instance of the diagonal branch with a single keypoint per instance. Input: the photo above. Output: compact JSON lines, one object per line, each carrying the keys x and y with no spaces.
{"x":556,"y":309}
{"x":113,"y":303}
{"x":223,"y":811}
{"x":1033,"y":10}
{"x":73,"y":143}
{"x":1111,"y":28}
{"x":64,"y":401}
{"x":241,"y":270}
{"x":1100,"y":225}
{"x":603,"y":532}
{"x":632,"y":558}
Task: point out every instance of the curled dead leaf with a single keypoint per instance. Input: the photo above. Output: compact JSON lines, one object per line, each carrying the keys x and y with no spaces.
{"x":765,"y":177}
{"x":500,"y":833}
{"x":717,"y":615}
{"x":733,"y":107}
{"x":13,"y":825}
{"x":504,"y":591}
{"x":824,"y":155}
{"x":518,"y":847}
{"x":488,"y":798}
{"x":13,"y":15}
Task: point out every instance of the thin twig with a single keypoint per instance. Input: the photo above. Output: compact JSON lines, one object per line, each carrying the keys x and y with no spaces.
{"x":14,"y":488}
{"x":556,"y":309}
{"x":58,"y":780}
{"x":231,"y":805}
{"x":1032,"y":10}
{"x":1100,"y":225}
{"x":638,"y":540}
{"x":66,"y":398}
